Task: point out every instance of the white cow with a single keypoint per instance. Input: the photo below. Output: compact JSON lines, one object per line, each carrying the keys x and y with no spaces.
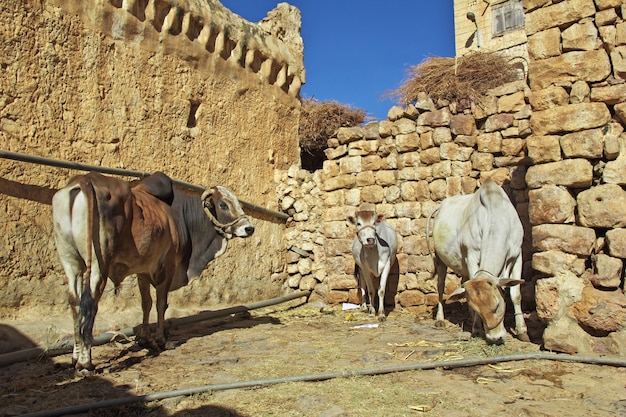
{"x":374,"y":250}
{"x":479,"y":236}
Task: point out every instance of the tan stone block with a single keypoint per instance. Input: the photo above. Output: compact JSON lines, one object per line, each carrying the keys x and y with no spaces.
{"x":566,"y":238}
{"x":442,"y":135}
{"x":334,"y":198}
{"x":611,"y":94}
{"x":336,"y":153}
{"x":342,"y":181}
{"x":602,"y":206}
{"x":590,"y":66}
{"x":608,"y":272}
{"x":575,"y":173}
{"x":546,"y":98}
{"x":512,"y":147}
{"x":337,"y":230}
{"x":584,"y":144}
{"x":616,"y":242}
{"x":544,"y":44}
{"x":362,"y":147}
{"x":407,"y":174}
{"x":408,"y":159}
{"x":543,"y":148}
{"x":550,"y":204}
{"x":350,"y":165}
{"x":403,"y":126}
{"x":497,"y":122}
{"x":411,"y":298}
{"x":384,"y":128}
{"x":558,"y":14}
{"x":408,"y":190}
{"x":462,"y":124}
{"x":426,"y":140}
{"x":442,"y":169}
{"x":489,"y":142}
{"x":570,"y":118}
{"x":512,"y":103}
{"x":463,"y":140}
{"x":460,"y":168}
{"x":620,"y":34}
{"x":365,"y":178}
{"x":438,"y":189}
{"x":482,"y":161}
{"x":618,"y":59}
{"x":553,"y":261}
{"x":449,"y":150}
{"x":603,"y":311}
{"x":371,"y":163}
{"x":372,"y":194}
{"x":407,"y":142}
{"x":435,"y":118}
{"x":430,"y":156}
{"x":615,"y":172}
{"x":580,"y":36}
{"x":349,"y":134}
{"x":387,"y":177}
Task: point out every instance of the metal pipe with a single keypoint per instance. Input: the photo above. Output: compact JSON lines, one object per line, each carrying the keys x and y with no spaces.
{"x":328,"y":375}
{"x":123,"y":172}
{"x":67,"y":347}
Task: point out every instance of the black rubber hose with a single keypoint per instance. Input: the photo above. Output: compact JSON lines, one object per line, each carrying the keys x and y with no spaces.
{"x":328,"y":375}
{"x":67,"y":347}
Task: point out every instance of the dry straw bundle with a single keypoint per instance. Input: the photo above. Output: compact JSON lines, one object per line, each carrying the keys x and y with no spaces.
{"x":319,"y":120}
{"x":453,"y":79}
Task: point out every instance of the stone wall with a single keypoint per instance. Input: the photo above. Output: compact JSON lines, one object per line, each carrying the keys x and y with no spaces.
{"x":556,"y":144}
{"x":184,"y":87}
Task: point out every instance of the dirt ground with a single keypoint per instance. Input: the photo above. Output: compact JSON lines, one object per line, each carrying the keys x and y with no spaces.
{"x":294,"y":339}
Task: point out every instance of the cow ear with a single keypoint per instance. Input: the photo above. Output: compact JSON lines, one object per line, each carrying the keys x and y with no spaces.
{"x":380,"y":218}
{"x":509,"y":282}
{"x":457,"y":295}
{"x":352,"y":219}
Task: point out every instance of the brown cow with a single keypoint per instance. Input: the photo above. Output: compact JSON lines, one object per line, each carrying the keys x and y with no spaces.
{"x":109,"y":229}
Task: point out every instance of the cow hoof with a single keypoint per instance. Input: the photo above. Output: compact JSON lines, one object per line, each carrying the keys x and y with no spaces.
{"x":523,"y":337}
{"x":440,"y":324}
{"x":171,"y":344}
{"x":382,"y":318}
{"x":84,"y":372}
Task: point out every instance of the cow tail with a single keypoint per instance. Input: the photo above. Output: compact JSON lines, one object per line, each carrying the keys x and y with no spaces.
{"x":432,"y":213}
{"x":87,"y":307}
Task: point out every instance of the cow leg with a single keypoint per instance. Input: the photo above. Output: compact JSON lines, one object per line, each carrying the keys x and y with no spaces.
{"x":520,"y":324}
{"x":143,"y":333}
{"x":161,"y":305}
{"x":371,"y":293}
{"x":382,"y":286}
{"x":440,"y":270}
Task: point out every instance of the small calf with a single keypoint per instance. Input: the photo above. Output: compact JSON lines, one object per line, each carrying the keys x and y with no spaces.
{"x":374,"y":250}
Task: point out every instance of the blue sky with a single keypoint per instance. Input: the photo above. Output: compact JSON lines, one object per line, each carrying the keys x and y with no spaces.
{"x":356,"y":51}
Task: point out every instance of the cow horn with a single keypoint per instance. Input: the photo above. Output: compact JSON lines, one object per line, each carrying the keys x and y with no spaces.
{"x":206,"y":194}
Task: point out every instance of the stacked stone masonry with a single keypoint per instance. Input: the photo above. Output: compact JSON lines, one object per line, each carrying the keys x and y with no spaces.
{"x":555,"y":143}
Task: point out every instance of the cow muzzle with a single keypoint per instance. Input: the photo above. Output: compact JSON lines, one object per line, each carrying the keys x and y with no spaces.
{"x":369,"y":236}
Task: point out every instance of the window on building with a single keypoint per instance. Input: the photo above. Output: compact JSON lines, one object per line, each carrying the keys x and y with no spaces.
{"x":507,"y":16}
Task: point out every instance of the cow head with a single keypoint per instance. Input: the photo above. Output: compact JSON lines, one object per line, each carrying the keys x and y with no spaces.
{"x":484,"y":295}
{"x":225,"y":212}
{"x":365,"y":222}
